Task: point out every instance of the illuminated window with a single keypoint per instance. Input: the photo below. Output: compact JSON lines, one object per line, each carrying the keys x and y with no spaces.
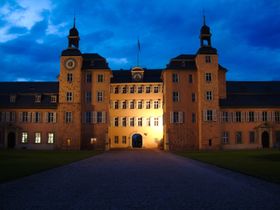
{"x":148,"y":121}
{"x":116,"y":104}
{"x":69,"y":96}
{"x":124,"y":89}
{"x":156,"y":89}
{"x":37,"y":117}
{"x":156,"y":104}
{"x":148,"y":89}
{"x":131,"y":104}
{"x":50,"y":138}
{"x":264,"y":116}
{"x":175,"y":78}
{"x":131,"y":121}
{"x":190,"y":78}
{"x":69,"y":77}
{"x":88,"y":96}
{"x":175,"y":96}
{"x":53,"y":99}
{"x":37,"y":138}
{"x":68,"y":117}
{"x":148,"y":104}
{"x":124,"y":105}
{"x":24,"y":137}
{"x":208,"y":77}
{"x":100,"y":78}
{"x":156,"y":121}
{"x":238,"y":137}
{"x":252,"y":137}
{"x":88,"y":77}
{"x":251,"y":117}
{"x":209,"y":95}
{"x":99,"y":96}
{"x":140,"y":89}
{"x":123,"y":139}
{"x":131,"y":89}
{"x":207,"y":59}
{"x":124,"y":121}
{"x":116,"y":121}
{"x":140,"y":105}
{"x":225,"y":137}
{"x":116,"y":139}
{"x":140,"y":121}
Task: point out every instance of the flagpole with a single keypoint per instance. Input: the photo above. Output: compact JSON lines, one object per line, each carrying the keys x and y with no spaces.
{"x":138,"y":51}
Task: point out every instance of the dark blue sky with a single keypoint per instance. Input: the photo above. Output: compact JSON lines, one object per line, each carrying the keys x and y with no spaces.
{"x":33,"y":33}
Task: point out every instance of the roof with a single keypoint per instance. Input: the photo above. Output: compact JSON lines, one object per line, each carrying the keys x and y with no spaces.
{"x":124,"y":76}
{"x":71,"y":52}
{"x":183,"y":61}
{"x":94,"y":61}
{"x":25,"y":93}
{"x":252,"y":94}
{"x":206,"y":50}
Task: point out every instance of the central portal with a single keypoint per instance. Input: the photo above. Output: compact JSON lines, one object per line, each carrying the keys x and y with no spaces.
{"x":137,"y":141}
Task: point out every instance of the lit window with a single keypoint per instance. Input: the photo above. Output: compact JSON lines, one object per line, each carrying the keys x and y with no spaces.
{"x":24,"y":137}
{"x":148,"y":104}
{"x":252,"y":137}
{"x":140,"y":121}
{"x":156,"y":121}
{"x":140,"y":104}
{"x":175,"y":96}
{"x":175,"y":78}
{"x":50,"y":138}
{"x":225,"y":137}
{"x":131,"y":121}
{"x":99,"y":96}
{"x":69,"y":96}
{"x":238,"y":137}
{"x":207,"y":59}
{"x":88,"y":97}
{"x":124,"y":121}
{"x":123,"y":139}
{"x":68,"y":117}
{"x":209,"y":95}
{"x":37,"y":138}
{"x":116,"y":121}
{"x":208,"y":77}
{"x":69,"y":77}
{"x":88,"y":77}
{"x":116,"y":139}
{"x":100,"y":78}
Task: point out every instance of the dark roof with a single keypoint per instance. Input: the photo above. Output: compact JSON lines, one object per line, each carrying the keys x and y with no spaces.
{"x":94,"y":61}
{"x":222,"y":68}
{"x":25,"y":93}
{"x":124,"y":76}
{"x":206,"y":50}
{"x":74,"y":32}
{"x":183,"y":61}
{"x":71,"y":52}
{"x":205,"y":29}
{"x":252,"y":94}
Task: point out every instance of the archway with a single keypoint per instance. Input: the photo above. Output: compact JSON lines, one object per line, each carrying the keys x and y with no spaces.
{"x":11,"y":140}
{"x":265,"y":139}
{"x":137,"y":141}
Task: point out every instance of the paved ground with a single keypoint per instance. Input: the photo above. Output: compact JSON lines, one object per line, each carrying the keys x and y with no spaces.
{"x":139,"y":179}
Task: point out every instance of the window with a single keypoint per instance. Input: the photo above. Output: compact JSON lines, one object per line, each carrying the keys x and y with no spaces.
{"x":225,"y":137}
{"x":24,"y":137}
{"x":140,"y":104}
{"x":148,"y":89}
{"x":131,"y":121}
{"x":88,"y":116}
{"x":193,"y":97}
{"x":124,"y":105}
{"x":69,"y":77}
{"x":156,"y":89}
{"x":116,"y":90}
{"x":37,"y":138}
{"x":100,"y":78}
{"x":99,"y":96}
{"x":50,"y":138}
{"x":68,"y":117}
{"x":175,"y":78}
{"x":24,"y":117}
{"x":38,"y":98}
{"x":176,"y":117}
{"x":251,"y":117}
{"x":252,"y":137}
{"x":238,"y":137}
{"x":140,"y":121}
{"x":156,"y":121}
{"x":148,"y":104}
{"x":37,"y":117}
{"x":207,"y":59}
{"x":209,"y":95}
{"x":88,"y":97}
{"x":69,"y":96}
{"x":209,"y":115}
{"x":140,"y":89}
{"x":124,"y":89}
{"x":264,"y":116}
{"x":116,"y":121}
{"x":190,"y":78}
{"x":224,"y":116}
{"x":208,"y":77}
{"x":51,"y":117}
{"x":100,"y":117}
{"x":123,"y":139}
{"x":237,"y":116}
{"x":124,"y":121}
{"x":12,"y":98}
{"x":8,"y":116}
{"x":131,"y":89}
{"x":148,"y":121}
{"x":131,"y":104}
{"x":193,"y":118}
{"x":277,"y":116}
{"x":116,"y":104}
{"x":88,"y":77}
{"x":156,"y":104}
{"x":175,"y":96}
{"x":53,"y":99}
{"x":116,"y":139}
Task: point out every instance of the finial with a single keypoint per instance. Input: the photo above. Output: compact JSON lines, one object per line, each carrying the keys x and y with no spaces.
{"x":74,"y":21}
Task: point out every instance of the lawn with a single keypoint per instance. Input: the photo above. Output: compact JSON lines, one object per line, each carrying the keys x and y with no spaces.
{"x":264,"y":164}
{"x":18,"y":163}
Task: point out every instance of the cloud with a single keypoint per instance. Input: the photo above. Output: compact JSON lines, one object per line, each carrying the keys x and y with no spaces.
{"x":118,"y":61}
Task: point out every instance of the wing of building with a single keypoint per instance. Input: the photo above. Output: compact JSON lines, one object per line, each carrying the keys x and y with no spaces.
{"x":188,"y":105}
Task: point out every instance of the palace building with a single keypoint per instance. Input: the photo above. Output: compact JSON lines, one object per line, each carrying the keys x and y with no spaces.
{"x":188,"y":105}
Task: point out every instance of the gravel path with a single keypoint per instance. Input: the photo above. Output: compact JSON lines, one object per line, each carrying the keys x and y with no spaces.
{"x":139,"y":179}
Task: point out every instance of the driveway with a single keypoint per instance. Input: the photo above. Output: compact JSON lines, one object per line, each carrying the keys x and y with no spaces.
{"x":139,"y":179}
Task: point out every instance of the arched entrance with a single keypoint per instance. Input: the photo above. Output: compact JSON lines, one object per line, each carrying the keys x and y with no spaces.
{"x":265,"y":139}
{"x":11,"y":140}
{"x":137,"y":141}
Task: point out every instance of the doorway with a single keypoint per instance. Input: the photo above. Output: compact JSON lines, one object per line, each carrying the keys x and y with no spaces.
{"x":11,"y":140}
{"x":137,"y":141}
{"x":265,"y":139}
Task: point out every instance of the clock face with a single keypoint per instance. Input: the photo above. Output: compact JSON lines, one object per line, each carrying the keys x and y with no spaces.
{"x":137,"y":77}
{"x":70,"y":63}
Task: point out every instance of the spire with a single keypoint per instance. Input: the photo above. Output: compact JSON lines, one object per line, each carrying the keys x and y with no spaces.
{"x":204,"y":19}
{"x":74,"y":26}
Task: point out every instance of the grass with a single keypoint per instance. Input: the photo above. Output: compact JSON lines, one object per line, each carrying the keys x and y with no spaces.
{"x":264,"y":164}
{"x":19,"y":163}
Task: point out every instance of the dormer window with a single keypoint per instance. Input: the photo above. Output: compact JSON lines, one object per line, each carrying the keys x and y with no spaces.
{"x":53,"y":99}
{"x":37,"y":98}
{"x":12,"y":98}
